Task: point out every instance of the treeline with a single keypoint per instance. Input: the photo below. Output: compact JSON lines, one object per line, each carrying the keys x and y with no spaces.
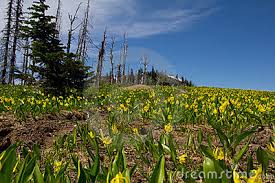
{"x":152,"y":77}
{"x":32,"y":52}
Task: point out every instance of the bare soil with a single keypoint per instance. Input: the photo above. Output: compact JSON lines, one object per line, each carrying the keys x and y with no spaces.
{"x":44,"y":129}
{"x":40,"y":130}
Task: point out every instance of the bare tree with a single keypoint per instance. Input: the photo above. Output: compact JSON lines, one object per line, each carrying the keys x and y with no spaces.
{"x":83,"y":36}
{"x":145,"y":62}
{"x":100,"y":60}
{"x":25,"y":65}
{"x":119,"y":73}
{"x":7,"y":37}
{"x":58,"y":17}
{"x":112,"y":59}
{"x":72,"y":28}
{"x":18,"y":15}
{"x":123,"y":56}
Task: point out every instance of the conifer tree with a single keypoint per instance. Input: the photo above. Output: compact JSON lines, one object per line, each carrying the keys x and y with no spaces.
{"x":17,"y":23}
{"x":7,"y":38}
{"x":57,"y":72}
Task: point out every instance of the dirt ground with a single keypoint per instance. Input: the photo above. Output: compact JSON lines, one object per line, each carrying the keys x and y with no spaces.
{"x":45,"y":129}
{"x":41,"y":130}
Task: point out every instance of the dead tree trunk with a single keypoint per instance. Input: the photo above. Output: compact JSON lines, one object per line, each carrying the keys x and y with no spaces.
{"x":25,"y":62}
{"x":112,"y":60}
{"x":7,"y":36}
{"x":83,"y":36}
{"x":18,"y":15}
{"x":119,"y":73}
{"x":123,"y":57}
{"x":145,"y":64}
{"x":58,"y":18}
{"x":72,"y":19}
{"x":100,"y":60}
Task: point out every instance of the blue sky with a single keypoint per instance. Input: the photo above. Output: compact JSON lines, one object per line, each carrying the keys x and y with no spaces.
{"x":220,"y":43}
{"x":234,"y":46}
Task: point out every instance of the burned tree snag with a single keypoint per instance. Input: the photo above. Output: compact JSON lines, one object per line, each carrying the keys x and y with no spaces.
{"x":100,"y":60}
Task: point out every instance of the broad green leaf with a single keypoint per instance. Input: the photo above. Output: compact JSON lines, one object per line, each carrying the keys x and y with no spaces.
{"x":210,"y":171}
{"x":241,"y":153}
{"x":262,"y":158}
{"x":38,"y":177}
{"x":7,"y":164}
{"x":158,"y":175}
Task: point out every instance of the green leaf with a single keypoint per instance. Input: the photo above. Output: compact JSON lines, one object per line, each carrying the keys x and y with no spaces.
{"x":200,"y":137}
{"x":249,"y":164}
{"x":241,"y":153}
{"x":36,"y":151}
{"x":159,"y":172}
{"x":82,"y":177}
{"x":95,"y":167}
{"x":242,"y":136}
{"x":206,"y":151}
{"x":209,"y":170}
{"x":7,"y":164}
{"x":26,"y":171}
{"x":262,"y":158}
{"x":209,"y":141}
{"x":38,"y":177}
{"x":173,"y":149}
{"x":132,"y":170}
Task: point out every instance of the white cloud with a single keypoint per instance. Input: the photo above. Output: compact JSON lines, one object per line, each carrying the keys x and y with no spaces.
{"x":128,"y":15}
{"x":133,"y":17}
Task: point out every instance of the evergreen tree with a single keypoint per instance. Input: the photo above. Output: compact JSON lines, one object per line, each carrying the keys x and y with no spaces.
{"x":18,"y":22}
{"x":6,"y":39}
{"x":58,"y":72}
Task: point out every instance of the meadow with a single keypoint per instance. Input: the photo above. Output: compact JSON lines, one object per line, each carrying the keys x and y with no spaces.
{"x":137,"y":134}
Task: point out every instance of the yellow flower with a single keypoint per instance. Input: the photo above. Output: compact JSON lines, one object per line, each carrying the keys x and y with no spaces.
{"x":182,"y":158}
{"x":114,"y":129}
{"x":9,"y":108}
{"x":215,"y":111}
{"x":135,"y":130}
{"x":236,"y":177}
{"x":119,"y":179}
{"x":91,"y":134}
{"x":123,"y":108}
{"x":128,"y":100}
{"x":257,"y":177}
{"x":106,"y":140}
{"x":57,"y":166}
{"x":170,"y":117}
{"x":271,"y":146}
{"x":146,"y":108}
{"x":218,"y":154}
{"x":44,"y":105}
{"x":170,"y":100}
{"x":168,"y":128}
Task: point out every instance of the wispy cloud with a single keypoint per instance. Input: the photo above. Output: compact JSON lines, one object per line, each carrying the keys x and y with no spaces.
{"x":130,"y":16}
{"x":138,"y":23}
{"x":135,"y":17}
